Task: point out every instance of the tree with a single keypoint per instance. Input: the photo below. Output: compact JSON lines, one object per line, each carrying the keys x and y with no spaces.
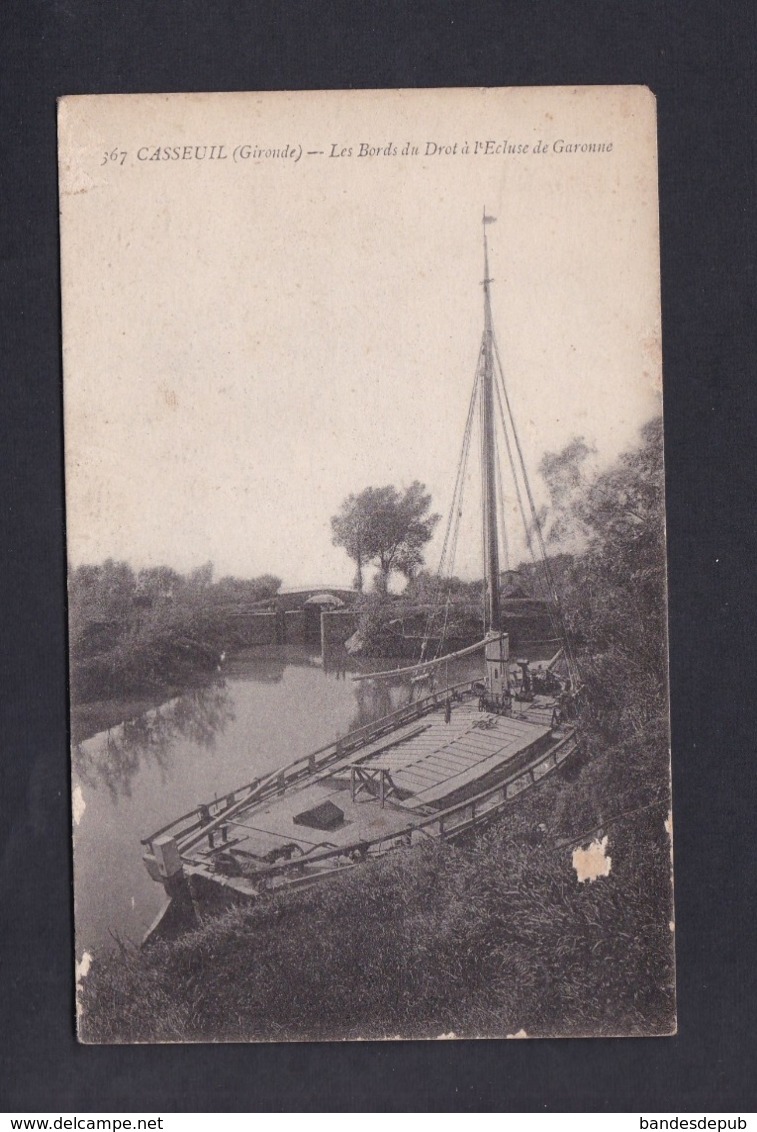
{"x":386,"y":527}
{"x":614,"y":599}
{"x":104,"y":592}
{"x":230,"y":589}
{"x":564,"y":474}
{"x":201,"y":578}
{"x":158,"y":583}
{"x":427,"y":588}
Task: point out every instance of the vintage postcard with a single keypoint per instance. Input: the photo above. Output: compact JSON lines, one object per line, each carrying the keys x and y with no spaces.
{"x":366,"y":546}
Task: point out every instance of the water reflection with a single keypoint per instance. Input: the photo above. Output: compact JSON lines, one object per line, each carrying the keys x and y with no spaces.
{"x":263,"y":671}
{"x":336,"y":661}
{"x":373,"y":699}
{"x":268,"y":664}
{"x":269,"y":709}
{"x":112,"y":760}
{"x":377,"y":698}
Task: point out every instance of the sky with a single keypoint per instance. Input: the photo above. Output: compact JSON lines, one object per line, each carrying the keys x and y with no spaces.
{"x":250,"y":338}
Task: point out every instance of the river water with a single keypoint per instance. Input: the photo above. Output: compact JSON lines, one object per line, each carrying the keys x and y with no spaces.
{"x":263,"y":712}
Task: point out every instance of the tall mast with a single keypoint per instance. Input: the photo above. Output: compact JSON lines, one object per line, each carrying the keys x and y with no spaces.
{"x":488,"y":462}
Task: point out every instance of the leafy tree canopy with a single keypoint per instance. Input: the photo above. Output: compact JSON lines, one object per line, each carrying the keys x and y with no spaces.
{"x":564,"y":473}
{"x":614,"y":593}
{"x":385,"y":527}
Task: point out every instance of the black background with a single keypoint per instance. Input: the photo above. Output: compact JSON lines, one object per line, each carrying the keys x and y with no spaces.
{"x":698,"y":58}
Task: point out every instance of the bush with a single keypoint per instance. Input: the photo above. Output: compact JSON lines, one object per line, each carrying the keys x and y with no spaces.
{"x":157,"y":628}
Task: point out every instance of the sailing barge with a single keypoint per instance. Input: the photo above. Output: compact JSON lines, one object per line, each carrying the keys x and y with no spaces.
{"x":447,"y":763}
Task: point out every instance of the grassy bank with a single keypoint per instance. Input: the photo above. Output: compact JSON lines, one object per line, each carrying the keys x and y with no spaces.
{"x":487,"y":938}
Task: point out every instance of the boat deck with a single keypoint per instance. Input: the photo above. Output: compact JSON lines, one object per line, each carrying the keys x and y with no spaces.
{"x":428,"y":761}
{"x":272,"y":826}
{"x":444,"y":758}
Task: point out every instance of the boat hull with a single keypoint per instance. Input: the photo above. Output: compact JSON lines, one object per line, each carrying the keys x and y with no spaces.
{"x":434,"y":770}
